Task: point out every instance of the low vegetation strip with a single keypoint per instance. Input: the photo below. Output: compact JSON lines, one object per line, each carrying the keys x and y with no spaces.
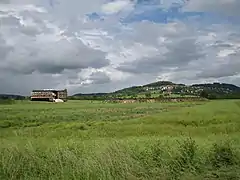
{"x":95,"y":140}
{"x":168,"y":99}
{"x":7,"y":101}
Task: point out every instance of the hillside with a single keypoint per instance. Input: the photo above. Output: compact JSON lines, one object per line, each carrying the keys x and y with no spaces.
{"x":91,"y":94}
{"x":167,"y":88}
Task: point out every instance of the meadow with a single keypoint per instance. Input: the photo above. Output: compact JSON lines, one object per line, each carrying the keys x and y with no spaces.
{"x":97,"y":140}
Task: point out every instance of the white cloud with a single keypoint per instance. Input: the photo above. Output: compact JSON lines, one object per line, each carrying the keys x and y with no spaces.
{"x":117,"y":6}
{"x":12,"y":9}
{"x":225,"y":53}
{"x":224,"y":7}
{"x":60,"y":41}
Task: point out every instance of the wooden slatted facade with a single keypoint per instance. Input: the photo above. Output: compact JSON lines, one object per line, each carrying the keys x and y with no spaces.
{"x":49,"y":95}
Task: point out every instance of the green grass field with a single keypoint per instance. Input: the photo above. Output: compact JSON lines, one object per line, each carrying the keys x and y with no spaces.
{"x":96,"y":140}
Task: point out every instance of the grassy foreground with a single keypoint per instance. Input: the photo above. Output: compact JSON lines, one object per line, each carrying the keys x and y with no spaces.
{"x":94,"y":140}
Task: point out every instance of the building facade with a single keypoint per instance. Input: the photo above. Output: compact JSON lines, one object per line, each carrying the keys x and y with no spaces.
{"x":49,"y":95}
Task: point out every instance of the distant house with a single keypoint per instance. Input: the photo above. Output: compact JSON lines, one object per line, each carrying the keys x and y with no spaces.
{"x":48,"y":95}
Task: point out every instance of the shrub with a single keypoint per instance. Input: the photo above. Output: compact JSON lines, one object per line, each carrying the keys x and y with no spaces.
{"x":148,"y":95}
{"x":185,"y":159}
{"x":157,"y":154}
{"x":222,"y":155}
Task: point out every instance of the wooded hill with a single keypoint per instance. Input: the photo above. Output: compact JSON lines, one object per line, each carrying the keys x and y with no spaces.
{"x":167,"y":88}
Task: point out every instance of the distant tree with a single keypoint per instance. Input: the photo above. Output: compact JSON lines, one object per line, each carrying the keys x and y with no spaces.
{"x":160,"y":96}
{"x":128,"y":94}
{"x":212,"y":96}
{"x":166,"y":94}
{"x":134,"y":96}
{"x":148,"y":95}
{"x":204,"y":94}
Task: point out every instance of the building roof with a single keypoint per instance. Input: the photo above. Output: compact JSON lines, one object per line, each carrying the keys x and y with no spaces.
{"x":41,"y":90}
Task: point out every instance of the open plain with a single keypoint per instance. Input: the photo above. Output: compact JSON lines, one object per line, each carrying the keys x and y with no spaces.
{"x":97,"y":140}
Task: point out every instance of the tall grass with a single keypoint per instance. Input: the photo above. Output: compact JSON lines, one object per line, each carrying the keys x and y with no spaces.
{"x":83,"y":140}
{"x":120,"y":161}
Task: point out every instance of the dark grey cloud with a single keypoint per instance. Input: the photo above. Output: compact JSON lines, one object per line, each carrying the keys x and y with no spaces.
{"x":24,"y":84}
{"x":99,"y":78}
{"x":183,"y":51}
{"x":54,"y":58}
{"x":4,"y":49}
{"x":4,"y":1}
{"x":179,"y":53}
{"x":230,"y":67}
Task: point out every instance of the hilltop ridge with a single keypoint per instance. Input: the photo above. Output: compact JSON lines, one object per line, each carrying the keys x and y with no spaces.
{"x":168,"y":88}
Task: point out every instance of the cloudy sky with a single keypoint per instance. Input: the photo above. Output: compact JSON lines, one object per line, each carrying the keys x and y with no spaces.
{"x":105,"y":45}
